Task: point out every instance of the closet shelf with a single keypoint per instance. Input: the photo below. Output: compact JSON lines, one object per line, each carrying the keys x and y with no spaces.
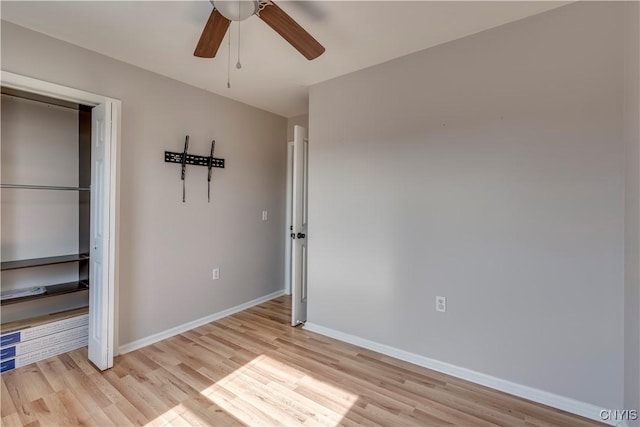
{"x":43,"y":187}
{"x":37,"y":262}
{"x":51,"y":291}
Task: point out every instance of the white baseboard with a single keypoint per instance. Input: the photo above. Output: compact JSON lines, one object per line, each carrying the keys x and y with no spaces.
{"x":126,"y":348}
{"x":586,"y":410}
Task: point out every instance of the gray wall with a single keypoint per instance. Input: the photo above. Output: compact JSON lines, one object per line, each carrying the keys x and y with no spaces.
{"x":632,"y":211}
{"x":489,"y":170}
{"x":167,"y":248}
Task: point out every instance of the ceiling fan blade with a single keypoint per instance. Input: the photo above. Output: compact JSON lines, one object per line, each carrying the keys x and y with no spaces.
{"x":291,"y":31}
{"x":212,"y":35}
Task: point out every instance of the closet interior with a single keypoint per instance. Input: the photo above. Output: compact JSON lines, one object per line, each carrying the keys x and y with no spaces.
{"x":45,"y":218}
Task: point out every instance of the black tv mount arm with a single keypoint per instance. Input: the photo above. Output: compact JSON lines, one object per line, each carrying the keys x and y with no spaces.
{"x":186,"y":159}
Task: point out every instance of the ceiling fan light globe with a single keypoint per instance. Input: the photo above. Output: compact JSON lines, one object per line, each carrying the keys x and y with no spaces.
{"x":236,"y":10}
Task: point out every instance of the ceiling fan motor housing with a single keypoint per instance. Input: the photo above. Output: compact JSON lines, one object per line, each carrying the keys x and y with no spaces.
{"x":236,"y":10}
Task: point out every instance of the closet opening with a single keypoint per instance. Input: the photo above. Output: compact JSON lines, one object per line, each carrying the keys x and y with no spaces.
{"x":56,"y":217}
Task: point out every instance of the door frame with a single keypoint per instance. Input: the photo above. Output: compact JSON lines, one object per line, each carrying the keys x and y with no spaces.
{"x":299,"y":213}
{"x":41,"y":87}
{"x":288,"y":220}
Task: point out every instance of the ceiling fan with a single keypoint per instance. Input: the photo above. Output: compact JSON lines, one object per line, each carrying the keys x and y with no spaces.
{"x":225,"y":11}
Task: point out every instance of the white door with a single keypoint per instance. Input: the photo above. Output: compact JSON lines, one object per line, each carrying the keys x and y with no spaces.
{"x":289,"y":220}
{"x":100,"y":292}
{"x":299,"y":223}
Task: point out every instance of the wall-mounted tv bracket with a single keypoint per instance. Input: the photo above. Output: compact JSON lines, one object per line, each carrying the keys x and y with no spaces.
{"x":210,"y":166}
{"x":185,"y":159}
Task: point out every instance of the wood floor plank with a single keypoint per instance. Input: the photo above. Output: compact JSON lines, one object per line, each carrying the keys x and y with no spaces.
{"x":85,"y":404}
{"x":14,"y":387}
{"x":54,"y":412}
{"x":253,"y":368}
{"x":200,"y":411}
{"x":130,"y":412}
{"x":99,"y":381}
{"x":42,"y":412}
{"x":245,"y":389}
{"x":30,"y":384}
{"x":6,"y":403}
{"x":11,"y":420}
{"x":116,"y":417}
{"x":244,"y":411}
{"x":80,"y":358}
{"x":54,"y":372}
{"x":137,"y":400}
{"x":368,"y":391}
{"x":161,"y":357}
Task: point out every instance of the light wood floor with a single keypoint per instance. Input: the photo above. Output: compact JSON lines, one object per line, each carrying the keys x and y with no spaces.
{"x":252,"y":368}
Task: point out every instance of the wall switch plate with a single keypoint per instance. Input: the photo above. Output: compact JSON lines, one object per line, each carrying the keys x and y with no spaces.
{"x":216,"y":273}
{"x":441,"y":304}
{"x":264,"y":215}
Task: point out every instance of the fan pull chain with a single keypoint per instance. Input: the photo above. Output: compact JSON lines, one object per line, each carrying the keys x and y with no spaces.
{"x":229,"y":63}
{"x":238,"y":64}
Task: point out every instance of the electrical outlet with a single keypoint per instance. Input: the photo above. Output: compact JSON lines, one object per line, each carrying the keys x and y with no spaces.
{"x":264,"y":215}
{"x":441,"y":304}
{"x":216,"y":273}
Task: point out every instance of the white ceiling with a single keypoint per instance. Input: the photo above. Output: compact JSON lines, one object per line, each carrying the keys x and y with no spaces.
{"x":161,"y":37}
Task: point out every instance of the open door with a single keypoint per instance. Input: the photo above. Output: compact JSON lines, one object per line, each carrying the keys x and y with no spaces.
{"x":288,"y":221}
{"x":101,"y":293}
{"x":299,"y":227}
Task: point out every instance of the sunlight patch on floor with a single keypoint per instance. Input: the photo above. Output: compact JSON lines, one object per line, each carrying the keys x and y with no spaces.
{"x":266,"y":391}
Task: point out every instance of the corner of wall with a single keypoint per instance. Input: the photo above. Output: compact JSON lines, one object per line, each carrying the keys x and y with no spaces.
{"x":631,"y":130}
